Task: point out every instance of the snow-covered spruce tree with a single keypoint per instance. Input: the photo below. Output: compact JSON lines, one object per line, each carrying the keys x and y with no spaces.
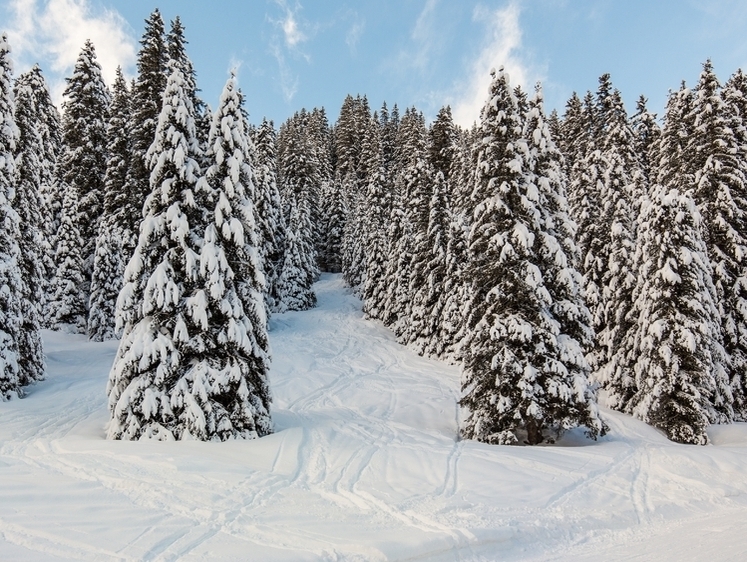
{"x":46,"y":123}
{"x":408,"y":250}
{"x":146,"y":99}
{"x":680,"y":370}
{"x":333,"y":217}
{"x":647,"y":132}
{"x":296,"y":278}
{"x":563,"y":280}
{"x":230,"y":380}
{"x":11,"y":295}
{"x":517,"y":374}
{"x":34,"y":251}
{"x":300,"y":181}
{"x":623,"y":188}
{"x":67,"y":299}
{"x":269,"y":210}
{"x":83,"y":161}
{"x":456,"y":292}
{"x":377,"y":210}
{"x":720,"y":191}
{"x":110,"y":260}
{"x":165,"y":383}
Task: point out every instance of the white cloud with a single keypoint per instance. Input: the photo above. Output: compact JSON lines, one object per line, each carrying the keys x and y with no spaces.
{"x":292,"y":33}
{"x":52,"y":33}
{"x":500,"y":48}
{"x":354,"y":34}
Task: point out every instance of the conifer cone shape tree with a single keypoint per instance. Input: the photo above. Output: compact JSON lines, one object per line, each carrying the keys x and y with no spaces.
{"x":269,"y":211}
{"x":83,"y":161}
{"x":166,"y":382}
{"x":29,"y":203}
{"x":67,"y":304}
{"x":111,"y":244}
{"x":720,"y":191}
{"x":681,"y":361}
{"x":517,"y":377}
{"x":11,"y":296}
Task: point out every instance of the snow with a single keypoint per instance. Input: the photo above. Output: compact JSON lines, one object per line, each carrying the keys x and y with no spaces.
{"x":363,"y":465}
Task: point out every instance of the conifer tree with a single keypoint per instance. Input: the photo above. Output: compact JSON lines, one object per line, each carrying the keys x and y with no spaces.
{"x":11,"y":297}
{"x":46,"y":122}
{"x":296,"y":278}
{"x":647,"y":132}
{"x":517,"y":374}
{"x":333,"y":217}
{"x":67,"y":304}
{"x":377,"y":209}
{"x":269,"y":211}
{"x":110,"y":259}
{"x":720,"y":191}
{"x":34,"y":251}
{"x":83,"y":162}
{"x":146,"y":96}
{"x":680,"y":372}
{"x":160,"y":386}
{"x":230,"y":381}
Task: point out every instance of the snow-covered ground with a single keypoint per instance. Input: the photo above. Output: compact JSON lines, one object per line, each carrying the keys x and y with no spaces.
{"x":364,"y":465}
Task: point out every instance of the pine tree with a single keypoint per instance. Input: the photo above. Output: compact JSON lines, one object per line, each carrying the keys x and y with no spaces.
{"x":67,"y":304}
{"x":517,"y":375}
{"x":296,"y":278}
{"x":269,"y":212}
{"x":333,"y":225}
{"x":83,"y":162}
{"x":163,"y":306}
{"x":230,"y":381}
{"x":720,"y":191}
{"x":34,"y":251}
{"x":110,"y":259}
{"x":11,"y":297}
{"x":680,"y":372}
{"x":146,"y":96}
{"x":46,"y":123}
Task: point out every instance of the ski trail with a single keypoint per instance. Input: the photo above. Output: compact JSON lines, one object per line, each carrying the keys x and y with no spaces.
{"x":365,"y":464}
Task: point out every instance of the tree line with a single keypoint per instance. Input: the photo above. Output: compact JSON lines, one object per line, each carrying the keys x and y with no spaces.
{"x":550,"y":256}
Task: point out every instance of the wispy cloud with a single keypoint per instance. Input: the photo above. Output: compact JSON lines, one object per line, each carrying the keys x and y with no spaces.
{"x":354,"y":33}
{"x":501,"y":47}
{"x":53,"y":32}
{"x":286,"y":45}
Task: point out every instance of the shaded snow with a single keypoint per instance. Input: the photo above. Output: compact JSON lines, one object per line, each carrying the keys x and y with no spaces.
{"x":364,"y":465}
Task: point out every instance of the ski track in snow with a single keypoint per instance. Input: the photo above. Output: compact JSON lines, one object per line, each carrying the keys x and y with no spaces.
{"x":365,"y":465}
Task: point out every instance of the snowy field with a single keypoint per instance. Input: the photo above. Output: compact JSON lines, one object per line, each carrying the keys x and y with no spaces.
{"x":364,"y":465}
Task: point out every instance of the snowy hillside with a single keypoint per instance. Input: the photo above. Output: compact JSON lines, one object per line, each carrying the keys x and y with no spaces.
{"x":364,"y":465}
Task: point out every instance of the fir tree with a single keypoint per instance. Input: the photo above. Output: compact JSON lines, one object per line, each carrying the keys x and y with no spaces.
{"x":296,"y":278}
{"x":111,"y":247}
{"x":34,"y":251}
{"x":720,"y":191}
{"x":67,"y":305}
{"x":83,"y":162}
{"x":680,"y":372}
{"x":269,"y":211}
{"x":146,"y":96}
{"x":230,"y":381}
{"x":158,"y":384}
{"x":11,"y":297}
{"x":517,"y":374}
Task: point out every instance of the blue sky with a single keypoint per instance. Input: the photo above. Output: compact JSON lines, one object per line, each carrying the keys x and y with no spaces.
{"x":298,"y":53}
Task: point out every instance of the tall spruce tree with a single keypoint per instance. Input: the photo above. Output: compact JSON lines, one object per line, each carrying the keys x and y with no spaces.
{"x":146,"y":96}
{"x":67,"y":300}
{"x":269,"y":210}
{"x":83,"y":161}
{"x":720,"y":191}
{"x":680,"y":372}
{"x":111,"y":244}
{"x":518,"y":377}
{"x":34,"y":251}
{"x":159,"y":386}
{"x":11,"y":297}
